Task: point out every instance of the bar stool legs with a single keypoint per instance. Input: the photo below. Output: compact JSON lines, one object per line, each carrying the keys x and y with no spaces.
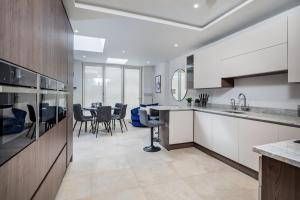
{"x":152,"y":148}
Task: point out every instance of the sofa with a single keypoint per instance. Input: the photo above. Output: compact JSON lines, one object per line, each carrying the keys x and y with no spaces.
{"x":135,"y":118}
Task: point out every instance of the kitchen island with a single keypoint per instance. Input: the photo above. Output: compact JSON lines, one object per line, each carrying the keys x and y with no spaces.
{"x":279,"y":170}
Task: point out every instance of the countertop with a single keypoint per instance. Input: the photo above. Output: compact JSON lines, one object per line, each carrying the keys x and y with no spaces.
{"x":287,"y":152}
{"x":271,"y":118}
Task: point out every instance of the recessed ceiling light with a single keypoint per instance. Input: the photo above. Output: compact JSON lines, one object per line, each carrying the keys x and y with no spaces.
{"x":116,"y":61}
{"x":176,"y":45}
{"x":85,"y":43}
{"x":76,"y":31}
{"x":196,"y":5}
{"x":148,"y":62}
{"x":123,"y":51}
{"x":84,"y":56}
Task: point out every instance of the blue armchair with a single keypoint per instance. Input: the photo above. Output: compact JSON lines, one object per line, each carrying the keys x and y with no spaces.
{"x":135,"y":118}
{"x":13,"y":125}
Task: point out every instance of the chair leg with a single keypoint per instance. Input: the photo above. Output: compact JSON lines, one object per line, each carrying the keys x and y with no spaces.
{"x":85,"y":127}
{"x":74,"y":125}
{"x":80,"y":129}
{"x":29,"y":130}
{"x":121,"y":125}
{"x":33,"y":131}
{"x":97,"y":125}
{"x":109,"y":125}
{"x":125,"y":124}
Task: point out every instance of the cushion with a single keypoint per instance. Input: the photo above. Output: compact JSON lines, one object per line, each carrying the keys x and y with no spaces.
{"x":7,"y":113}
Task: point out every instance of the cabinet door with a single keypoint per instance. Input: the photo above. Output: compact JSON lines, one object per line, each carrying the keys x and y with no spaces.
{"x":252,"y":133}
{"x":267,"y":60}
{"x":180,"y":127}
{"x":225,"y":138}
{"x":260,"y":36}
{"x":294,"y":46}
{"x":203,"y":129}
{"x":288,"y":133}
{"x":206,"y":68}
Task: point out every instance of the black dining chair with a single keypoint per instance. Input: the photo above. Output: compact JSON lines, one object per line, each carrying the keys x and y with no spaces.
{"x":121,"y":117}
{"x":79,"y":117}
{"x":104,"y":116}
{"x":144,"y":119}
{"x":32,"y":118}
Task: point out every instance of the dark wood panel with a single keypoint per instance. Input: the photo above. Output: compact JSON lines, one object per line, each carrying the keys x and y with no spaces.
{"x":34,"y":35}
{"x":280,"y":181}
{"x":19,"y":177}
{"x":70,"y":139}
{"x":50,"y":186}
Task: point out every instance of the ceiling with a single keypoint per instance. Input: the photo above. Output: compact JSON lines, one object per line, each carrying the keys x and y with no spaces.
{"x":147,"y":30}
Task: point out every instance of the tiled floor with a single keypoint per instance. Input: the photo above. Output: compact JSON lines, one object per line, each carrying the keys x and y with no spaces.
{"x":116,"y":168}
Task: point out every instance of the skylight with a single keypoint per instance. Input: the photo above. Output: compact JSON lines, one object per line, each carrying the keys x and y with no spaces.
{"x":116,"y":61}
{"x":85,"y":43}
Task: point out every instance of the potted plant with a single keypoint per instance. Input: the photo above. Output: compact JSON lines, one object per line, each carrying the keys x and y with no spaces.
{"x":189,"y":101}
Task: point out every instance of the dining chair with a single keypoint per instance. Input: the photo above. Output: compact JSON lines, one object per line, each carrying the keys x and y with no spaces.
{"x":104,"y":116}
{"x":121,"y":117}
{"x":79,"y":117}
{"x":32,"y":118}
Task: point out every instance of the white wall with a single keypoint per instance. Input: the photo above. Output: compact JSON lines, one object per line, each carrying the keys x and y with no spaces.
{"x":148,"y":84}
{"x":163,"y":70}
{"x":271,"y":91}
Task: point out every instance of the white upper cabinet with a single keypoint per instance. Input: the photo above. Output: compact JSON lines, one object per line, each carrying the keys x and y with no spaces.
{"x":258,"y":37}
{"x":203,"y":129}
{"x":181,"y":127}
{"x":254,"y":133}
{"x":294,"y":46}
{"x":225,"y":136}
{"x":257,"y":50}
{"x":207,"y":68}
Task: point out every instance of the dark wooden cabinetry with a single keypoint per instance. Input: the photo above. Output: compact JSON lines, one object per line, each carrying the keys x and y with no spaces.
{"x":34,"y":35}
{"x":49,"y":188}
{"x":37,"y":35}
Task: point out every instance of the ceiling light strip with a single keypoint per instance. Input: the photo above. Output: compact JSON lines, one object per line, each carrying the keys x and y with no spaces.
{"x":86,"y":6}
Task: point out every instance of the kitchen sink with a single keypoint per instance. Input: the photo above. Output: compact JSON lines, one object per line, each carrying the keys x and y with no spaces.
{"x":234,"y":112}
{"x":297,"y":141}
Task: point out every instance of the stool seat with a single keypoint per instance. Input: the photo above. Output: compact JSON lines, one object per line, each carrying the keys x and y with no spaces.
{"x":155,"y":123}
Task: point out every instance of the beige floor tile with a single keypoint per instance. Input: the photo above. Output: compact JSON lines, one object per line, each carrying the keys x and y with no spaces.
{"x":116,"y":168}
{"x":175,"y":190}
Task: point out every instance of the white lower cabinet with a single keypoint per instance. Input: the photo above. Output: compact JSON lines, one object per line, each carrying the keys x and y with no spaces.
{"x":181,"y":127}
{"x":288,"y":133}
{"x":203,"y":129}
{"x":253,"y":133}
{"x":225,"y":136}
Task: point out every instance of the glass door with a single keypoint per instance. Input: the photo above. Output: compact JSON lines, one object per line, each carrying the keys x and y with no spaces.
{"x":132,"y":88}
{"x":92,"y":85}
{"x":113,"y":85}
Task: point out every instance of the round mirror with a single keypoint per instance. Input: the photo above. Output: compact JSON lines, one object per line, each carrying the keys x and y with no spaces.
{"x":178,"y":89}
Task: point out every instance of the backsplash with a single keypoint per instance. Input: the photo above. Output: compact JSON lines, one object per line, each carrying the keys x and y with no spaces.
{"x":272,"y":91}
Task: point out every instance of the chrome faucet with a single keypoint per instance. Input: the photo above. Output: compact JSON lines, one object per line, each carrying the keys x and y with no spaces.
{"x":233,"y":105}
{"x":244,"y":106}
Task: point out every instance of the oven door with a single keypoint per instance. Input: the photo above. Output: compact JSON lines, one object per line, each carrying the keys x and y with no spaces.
{"x":18,"y":111}
{"x":47,"y":111}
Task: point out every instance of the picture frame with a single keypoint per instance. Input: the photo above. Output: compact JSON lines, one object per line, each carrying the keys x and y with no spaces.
{"x":158,"y":84}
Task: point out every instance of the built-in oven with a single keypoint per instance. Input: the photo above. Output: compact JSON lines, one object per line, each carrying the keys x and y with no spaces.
{"x":62,"y":98}
{"x":18,"y":109}
{"x":47,"y":104}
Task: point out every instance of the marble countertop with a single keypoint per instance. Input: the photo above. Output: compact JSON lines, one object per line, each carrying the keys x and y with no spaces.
{"x":287,"y":152}
{"x":272,"y":118}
